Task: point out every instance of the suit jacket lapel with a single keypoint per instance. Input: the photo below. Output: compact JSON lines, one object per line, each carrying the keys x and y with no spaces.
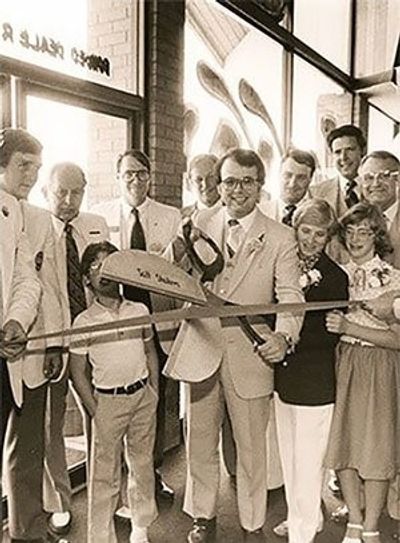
{"x":244,"y":258}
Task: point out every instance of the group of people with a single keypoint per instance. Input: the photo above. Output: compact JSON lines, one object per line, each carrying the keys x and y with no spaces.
{"x":330,"y":379}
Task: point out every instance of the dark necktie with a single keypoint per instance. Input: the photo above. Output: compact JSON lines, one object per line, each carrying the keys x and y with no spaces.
{"x":288,"y":214}
{"x":351,"y":197}
{"x":138,"y":241}
{"x":76,"y":292}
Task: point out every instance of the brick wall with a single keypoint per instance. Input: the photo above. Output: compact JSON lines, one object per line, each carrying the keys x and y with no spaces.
{"x":112,"y":34}
{"x":165,"y":98}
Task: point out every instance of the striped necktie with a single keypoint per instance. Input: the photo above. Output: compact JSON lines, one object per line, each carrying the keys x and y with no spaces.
{"x":288,"y":214}
{"x":76,"y":292}
{"x":351,"y":197}
{"x":233,"y":238}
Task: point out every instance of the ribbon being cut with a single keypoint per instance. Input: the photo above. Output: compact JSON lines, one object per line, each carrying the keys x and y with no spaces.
{"x":141,"y":269}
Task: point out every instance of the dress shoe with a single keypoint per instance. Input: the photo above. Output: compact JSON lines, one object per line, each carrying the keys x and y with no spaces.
{"x":163,"y":492}
{"x":282,"y":529}
{"x":203,"y":531}
{"x":256,"y":536}
{"x":340,"y":514}
{"x":60,"y":523}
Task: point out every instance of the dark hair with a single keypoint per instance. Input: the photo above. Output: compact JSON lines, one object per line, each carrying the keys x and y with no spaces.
{"x":347,"y":130}
{"x":137,"y":155}
{"x":362,"y":211}
{"x":244,"y":157}
{"x":302,"y":157}
{"x":14,"y":140}
{"x":92,"y":251}
{"x":381,"y":155}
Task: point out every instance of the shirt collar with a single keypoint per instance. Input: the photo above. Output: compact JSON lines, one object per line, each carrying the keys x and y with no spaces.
{"x":59,"y":225}
{"x":390,"y":213}
{"x":127,"y":208}
{"x":343,"y":182}
{"x":245,"y":222}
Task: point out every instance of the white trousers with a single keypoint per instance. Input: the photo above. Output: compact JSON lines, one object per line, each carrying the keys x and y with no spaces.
{"x":249,"y":417}
{"x":303,"y":433}
{"x":122,"y":424}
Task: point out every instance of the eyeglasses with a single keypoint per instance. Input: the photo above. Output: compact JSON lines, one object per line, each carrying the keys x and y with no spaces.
{"x":383,"y":176}
{"x":363,"y":234}
{"x":141,"y":176}
{"x":246,"y":183}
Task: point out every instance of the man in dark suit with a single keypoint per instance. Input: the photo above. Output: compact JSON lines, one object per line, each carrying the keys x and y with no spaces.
{"x":295,"y":175}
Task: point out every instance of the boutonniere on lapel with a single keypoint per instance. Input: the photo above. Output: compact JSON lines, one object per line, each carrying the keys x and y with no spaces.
{"x":310,"y":276}
{"x":5,"y":211}
{"x":255,"y":245}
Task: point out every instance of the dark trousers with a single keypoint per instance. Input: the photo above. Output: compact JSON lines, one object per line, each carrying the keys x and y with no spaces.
{"x":6,"y":403}
{"x":25,"y":454}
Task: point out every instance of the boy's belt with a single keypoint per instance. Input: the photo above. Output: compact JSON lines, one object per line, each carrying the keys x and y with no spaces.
{"x":128,"y":389}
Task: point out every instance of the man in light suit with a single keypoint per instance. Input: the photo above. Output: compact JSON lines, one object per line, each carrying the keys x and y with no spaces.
{"x":158,"y":224}
{"x":221,"y":364}
{"x":347,"y":145}
{"x":295,"y":175}
{"x":380,"y":185}
{"x":64,"y":192}
{"x":202,"y":183}
{"x":22,"y":399}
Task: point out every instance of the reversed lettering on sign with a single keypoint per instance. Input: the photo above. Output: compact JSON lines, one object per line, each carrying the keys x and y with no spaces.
{"x":144,"y":274}
{"x":167,"y":281}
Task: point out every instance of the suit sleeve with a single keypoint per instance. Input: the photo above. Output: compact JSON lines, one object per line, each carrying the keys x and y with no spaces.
{"x":287,"y":287}
{"x":25,"y":288}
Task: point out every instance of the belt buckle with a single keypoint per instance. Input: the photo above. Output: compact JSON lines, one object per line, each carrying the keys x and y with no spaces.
{"x":127,"y":389}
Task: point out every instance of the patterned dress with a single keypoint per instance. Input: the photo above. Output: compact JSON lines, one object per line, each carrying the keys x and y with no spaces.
{"x":365,"y":432}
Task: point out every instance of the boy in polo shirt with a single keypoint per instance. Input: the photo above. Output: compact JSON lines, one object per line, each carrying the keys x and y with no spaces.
{"x":122,"y":401}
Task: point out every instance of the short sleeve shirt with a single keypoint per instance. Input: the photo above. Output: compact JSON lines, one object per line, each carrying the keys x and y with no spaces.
{"x":117,"y":356}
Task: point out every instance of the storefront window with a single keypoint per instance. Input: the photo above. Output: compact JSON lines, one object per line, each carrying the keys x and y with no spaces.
{"x":233,"y":87}
{"x":90,"y":139}
{"x":319,"y":105}
{"x":383,"y":132}
{"x":94,"y":40}
{"x":325,"y":26}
